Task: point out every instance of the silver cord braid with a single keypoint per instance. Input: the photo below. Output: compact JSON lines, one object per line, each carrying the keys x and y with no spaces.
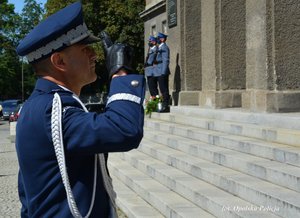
{"x":107,"y":181}
{"x":57,"y":138}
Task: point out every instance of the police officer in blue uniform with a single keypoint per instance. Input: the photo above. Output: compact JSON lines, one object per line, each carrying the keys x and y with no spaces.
{"x":62,"y":148}
{"x":163,"y":71}
{"x":150,"y":67}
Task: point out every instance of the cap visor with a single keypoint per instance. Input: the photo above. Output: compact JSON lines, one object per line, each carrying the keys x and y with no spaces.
{"x":90,"y":39}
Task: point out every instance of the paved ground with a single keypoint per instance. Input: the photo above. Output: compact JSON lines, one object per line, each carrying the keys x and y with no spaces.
{"x":9,"y":201}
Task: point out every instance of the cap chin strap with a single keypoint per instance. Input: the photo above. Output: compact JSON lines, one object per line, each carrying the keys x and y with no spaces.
{"x":57,"y":138}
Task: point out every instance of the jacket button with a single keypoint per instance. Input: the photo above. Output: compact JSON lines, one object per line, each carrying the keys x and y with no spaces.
{"x":134,"y":83}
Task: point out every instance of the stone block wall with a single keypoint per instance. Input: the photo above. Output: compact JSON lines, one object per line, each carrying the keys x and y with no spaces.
{"x":241,"y":53}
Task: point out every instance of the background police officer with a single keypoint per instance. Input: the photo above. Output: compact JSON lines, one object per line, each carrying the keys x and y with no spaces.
{"x":150,"y":68}
{"x":163,"y":71}
{"x":62,"y":148}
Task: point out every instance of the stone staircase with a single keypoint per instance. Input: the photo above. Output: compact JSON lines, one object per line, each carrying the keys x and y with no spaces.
{"x":196,"y":162}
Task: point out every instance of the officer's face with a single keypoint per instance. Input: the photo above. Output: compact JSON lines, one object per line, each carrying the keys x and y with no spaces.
{"x":81,"y":63}
{"x":153,"y":42}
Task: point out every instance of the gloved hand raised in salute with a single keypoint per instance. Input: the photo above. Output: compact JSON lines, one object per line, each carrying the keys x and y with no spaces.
{"x":118,"y":55}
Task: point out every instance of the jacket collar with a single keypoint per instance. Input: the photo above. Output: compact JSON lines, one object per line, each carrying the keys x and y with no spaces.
{"x":47,"y":86}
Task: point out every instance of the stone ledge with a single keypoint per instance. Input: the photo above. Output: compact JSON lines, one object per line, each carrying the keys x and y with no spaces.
{"x":211,"y":99}
{"x":271,"y":101}
{"x":189,"y":98}
{"x":151,"y":8}
{"x":221,"y":99}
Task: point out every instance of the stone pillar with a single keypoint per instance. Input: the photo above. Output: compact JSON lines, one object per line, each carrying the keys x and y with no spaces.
{"x":191,"y":51}
{"x":223,"y":53}
{"x":209,"y":59}
{"x":258,"y":80}
{"x":273,"y":56}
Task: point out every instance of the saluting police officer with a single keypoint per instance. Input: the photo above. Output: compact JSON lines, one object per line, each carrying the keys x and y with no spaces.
{"x":163,"y":71}
{"x":62,"y":148}
{"x":150,"y":68}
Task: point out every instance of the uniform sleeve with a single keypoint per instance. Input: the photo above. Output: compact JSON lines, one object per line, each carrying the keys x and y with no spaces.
{"x":165,"y":59}
{"x":119,"y":128}
{"x":152,"y":56}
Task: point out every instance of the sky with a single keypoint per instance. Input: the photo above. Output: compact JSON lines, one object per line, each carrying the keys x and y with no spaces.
{"x":20,"y":3}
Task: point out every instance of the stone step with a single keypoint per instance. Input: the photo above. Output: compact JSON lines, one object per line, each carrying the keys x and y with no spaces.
{"x":273,"y":151}
{"x":261,"y":131}
{"x":167,"y":202}
{"x":282,"y":201}
{"x":278,"y":173}
{"x":276,"y":120}
{"x":132,"y":204}
{"x":206,"y":196}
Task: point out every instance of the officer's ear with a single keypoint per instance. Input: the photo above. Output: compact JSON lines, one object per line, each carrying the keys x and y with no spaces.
{"x":57,"y":60}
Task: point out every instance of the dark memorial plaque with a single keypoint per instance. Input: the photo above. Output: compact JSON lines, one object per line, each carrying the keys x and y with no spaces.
{"x":172,"y":13}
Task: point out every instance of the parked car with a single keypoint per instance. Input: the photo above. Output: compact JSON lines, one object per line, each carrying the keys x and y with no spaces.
{"x":9,"y":106}
{"x":15,"y":115}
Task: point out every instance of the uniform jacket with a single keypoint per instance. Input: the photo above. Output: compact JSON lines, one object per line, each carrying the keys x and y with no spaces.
{"x":151,"y":57}
{"x":163,"y":60}
{"x":119,"y":128}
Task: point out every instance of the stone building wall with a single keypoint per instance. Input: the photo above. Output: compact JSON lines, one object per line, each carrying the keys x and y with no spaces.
{"x":242,"y":53}
{"x":232,"y":44}
{"x":287,"y":43}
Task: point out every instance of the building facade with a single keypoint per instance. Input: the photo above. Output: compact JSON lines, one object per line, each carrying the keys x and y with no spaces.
{"x":225,"y":53}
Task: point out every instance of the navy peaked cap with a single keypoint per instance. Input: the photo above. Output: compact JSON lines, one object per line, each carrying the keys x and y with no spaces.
{"x":161,"y":35}
{"x":152,"y":38}
{"x":64,"y":28}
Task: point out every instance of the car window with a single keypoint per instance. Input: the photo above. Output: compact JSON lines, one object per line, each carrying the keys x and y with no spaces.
{"x":10,"y":104}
